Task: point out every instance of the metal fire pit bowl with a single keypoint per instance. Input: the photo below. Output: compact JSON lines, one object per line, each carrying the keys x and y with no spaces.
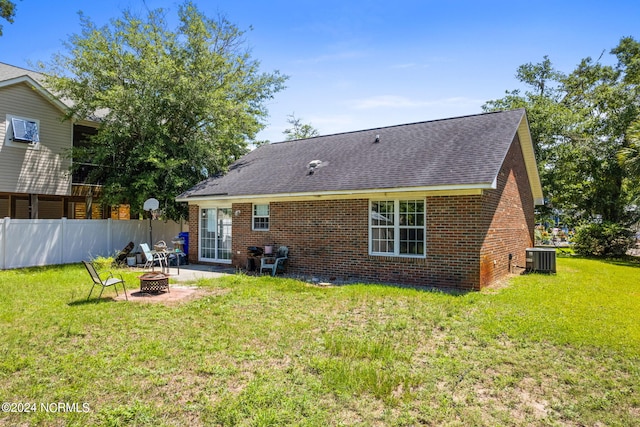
{"x":154,"y":282}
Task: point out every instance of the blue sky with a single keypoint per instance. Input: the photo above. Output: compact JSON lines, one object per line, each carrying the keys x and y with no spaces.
{"x":363,"y":64}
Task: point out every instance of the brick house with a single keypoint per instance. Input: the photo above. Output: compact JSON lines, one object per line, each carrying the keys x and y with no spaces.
{"x":446,"y":203}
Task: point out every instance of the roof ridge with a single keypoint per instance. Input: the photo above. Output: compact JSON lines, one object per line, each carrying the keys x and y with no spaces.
{"x":398,"y":125}
{"x":20,"y":68}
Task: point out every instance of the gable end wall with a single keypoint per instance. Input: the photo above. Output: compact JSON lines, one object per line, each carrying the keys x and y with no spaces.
{"x":508,"y":212}
{"x":43,"y":171}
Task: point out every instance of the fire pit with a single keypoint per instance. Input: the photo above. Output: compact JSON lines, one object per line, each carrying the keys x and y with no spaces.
{"x":154,"y":282}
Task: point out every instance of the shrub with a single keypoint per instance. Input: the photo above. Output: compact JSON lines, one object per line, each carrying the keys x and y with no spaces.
{"x":102,"y":262}
{"x":603,"y":240}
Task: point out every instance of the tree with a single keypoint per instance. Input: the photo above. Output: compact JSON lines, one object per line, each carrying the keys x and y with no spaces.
{"x":552,"y":125}
{"x":629,"y":59}
{"x":7,"y":11}
{"x":175,"y":107}
{"x":299,"y":130}
{"x":608,"y":105}
{"x":630,"y":156}
{"x":581,"y":126}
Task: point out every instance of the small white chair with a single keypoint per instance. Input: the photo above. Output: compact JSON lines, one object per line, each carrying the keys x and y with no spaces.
{"x":152,"y":257}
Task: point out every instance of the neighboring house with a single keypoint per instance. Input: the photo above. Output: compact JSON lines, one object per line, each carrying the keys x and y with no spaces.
{"x":447,"y":203}
{"x":35,"y":143}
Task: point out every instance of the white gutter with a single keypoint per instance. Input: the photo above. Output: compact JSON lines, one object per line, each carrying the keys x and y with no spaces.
{"x":476,"y":188}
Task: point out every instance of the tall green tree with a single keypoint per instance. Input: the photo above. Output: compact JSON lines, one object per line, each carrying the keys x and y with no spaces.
{"x":628,"y":53}
{"x":582,"y":127}
{"x":553,"y":125}
{"x":175,"y":107}
{"x":630,"y":156}
{"x":609,"y":99}
{"x":299,"y":130}
{"x":7,"y":11}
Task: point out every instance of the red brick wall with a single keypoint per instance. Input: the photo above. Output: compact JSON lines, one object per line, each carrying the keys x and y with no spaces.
{"x":454,"y":239}
{"x":328,"y":239}
{"x":194,"y":217}
{"x":509,"y":214}
{"x":325,"y":238}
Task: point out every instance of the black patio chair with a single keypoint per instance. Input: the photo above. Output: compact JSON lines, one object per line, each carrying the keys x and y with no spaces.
{"x":108,"y":281}
{"x":275,"y":263}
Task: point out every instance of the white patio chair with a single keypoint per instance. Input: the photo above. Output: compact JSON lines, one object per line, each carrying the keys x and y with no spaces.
{"x":152,"y":257}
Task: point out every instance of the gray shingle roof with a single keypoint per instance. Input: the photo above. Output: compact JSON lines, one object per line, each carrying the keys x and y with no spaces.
{"x":462,"y":151}
{"x":8,"y":72}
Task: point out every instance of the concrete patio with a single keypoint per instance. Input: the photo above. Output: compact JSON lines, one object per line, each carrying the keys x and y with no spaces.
{"x":193,"y":272}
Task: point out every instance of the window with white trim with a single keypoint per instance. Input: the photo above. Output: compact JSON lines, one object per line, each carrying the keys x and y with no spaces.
{"x":397,"y":228}
{"x":261,"y":217}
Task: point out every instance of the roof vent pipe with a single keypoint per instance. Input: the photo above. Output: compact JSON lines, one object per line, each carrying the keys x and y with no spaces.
{"x":377,"y":139}
{"x":313,"y":165}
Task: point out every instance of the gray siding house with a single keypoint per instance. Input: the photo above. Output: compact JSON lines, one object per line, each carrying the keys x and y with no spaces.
{"x":35,"y":143}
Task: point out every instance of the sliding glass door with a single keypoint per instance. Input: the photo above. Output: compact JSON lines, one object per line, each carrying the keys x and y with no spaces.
{"x":215,"y":234}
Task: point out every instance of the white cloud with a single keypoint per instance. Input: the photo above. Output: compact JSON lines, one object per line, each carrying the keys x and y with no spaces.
{"x":332,"y":57}
{"x":393,"y":101}
{"x":409,"y":66}
{"x":404,"y":66}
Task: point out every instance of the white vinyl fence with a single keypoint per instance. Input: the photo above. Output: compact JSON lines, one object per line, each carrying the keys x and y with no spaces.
{"x":37,"y":242}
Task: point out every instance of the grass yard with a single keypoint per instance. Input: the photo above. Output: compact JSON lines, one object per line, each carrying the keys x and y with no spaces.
{"x":541,"y":350}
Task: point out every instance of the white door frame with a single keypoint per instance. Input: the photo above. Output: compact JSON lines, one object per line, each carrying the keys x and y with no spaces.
{"x":208,"y":253}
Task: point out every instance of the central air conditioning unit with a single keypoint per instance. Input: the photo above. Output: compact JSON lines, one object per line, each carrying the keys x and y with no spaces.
{"x":541,"y":260}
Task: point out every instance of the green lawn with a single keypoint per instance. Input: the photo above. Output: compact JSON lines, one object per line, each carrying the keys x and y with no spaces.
{"x":540,"y":350}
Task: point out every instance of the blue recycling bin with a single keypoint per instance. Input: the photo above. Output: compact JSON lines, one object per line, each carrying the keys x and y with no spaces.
{"x":184,"y":235}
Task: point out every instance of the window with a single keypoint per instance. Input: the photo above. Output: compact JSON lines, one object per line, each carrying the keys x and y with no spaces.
{"x":397,"y":227}
{"x":22,"y":132}
{"x":261,"y":217}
